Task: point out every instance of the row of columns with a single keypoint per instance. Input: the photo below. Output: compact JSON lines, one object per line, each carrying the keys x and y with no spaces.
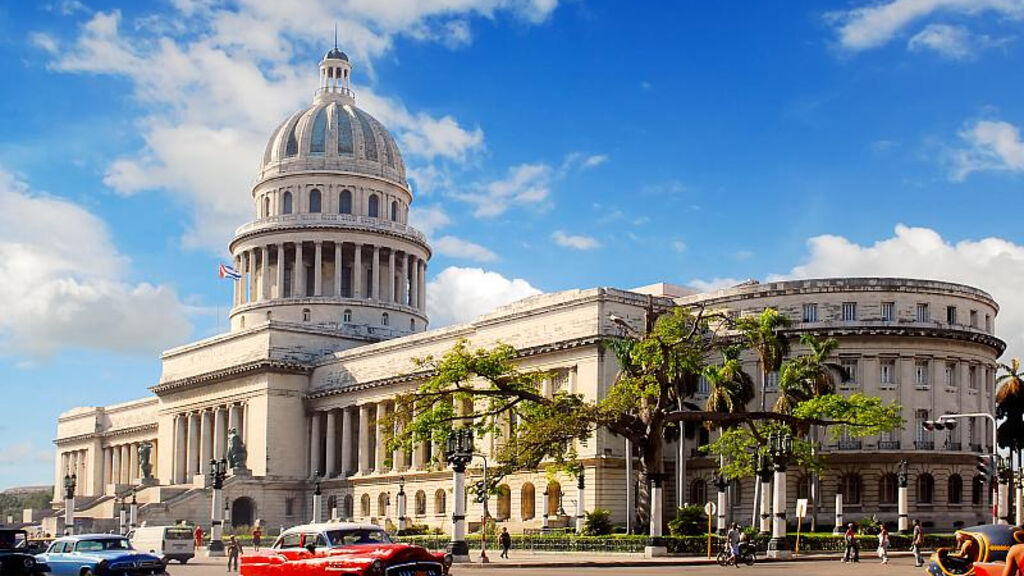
{"x":121,"y":463}
{"x":257,"y":266}
{"x":76,"y":462}
{"x":201,"y":436}
{"x":350,"y":440}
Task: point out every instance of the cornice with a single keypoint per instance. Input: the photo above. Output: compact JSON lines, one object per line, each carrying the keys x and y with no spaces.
{"x":257,"y":366}
{"x":148,"y":427}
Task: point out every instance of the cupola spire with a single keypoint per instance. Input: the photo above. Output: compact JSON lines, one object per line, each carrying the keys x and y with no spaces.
{"x":335,"y":75}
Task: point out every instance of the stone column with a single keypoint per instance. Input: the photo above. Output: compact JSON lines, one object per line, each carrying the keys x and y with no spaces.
{"x":220,"y":432}
{"x":365,"y":447}
{"x":264,"y":273}
{"x":375,"y":277}
{"x":777,"y":546}
{"x":126,"y":463}
{"x":133,"y":462}
{"x":840,"y":525}
{"x":246,"y":276}
{"x":346,"y":442}
{"x":318,"y":256}
{"x":107,"y":467}
{"x":280,"y":270}
{"x":656,"y":545}
{"x":337,"y":270}
{"x":193,"y":446}
{"x":765,"y":478}
{"x":389,"y":274}
{"x":314,"y":445}
{"x":580,"y":508}
{"x":206,"y":435}
{"x":357,"y":271}
{"x":1003,"y":501}
{"x":115,"y":471}
{"x":414,"y":282}
{"x":418,"y":456}
{"x":902,"y":505}
{"x":423,"y":285}
{"x":398,"y":455}
{"x":298,"y":274}
{"x":180,"y":449}
{"x":459,"y":549}
{"x":403,"y":281}
{"x":378,"y":465}
{"x":331,"y":468}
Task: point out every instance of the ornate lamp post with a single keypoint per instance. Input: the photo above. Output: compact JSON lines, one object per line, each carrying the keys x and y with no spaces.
{"x":840,"y":525}
{"x":1005,"y":478}
{"x":781,"y":448}
{"x":402,"y":522}
{"x":1019,"y":500}
{"x":580,"y":509}
{"x":656,"y":543}
{"x":218,"y":471}
{"x":458,"y":453}
{"x":902,"y":476}
{"x":133,"y":512}
{"x":70,"y":485}
{"x":764,"y":476}
{"x":545,"y":522}
{"x":122,"y":518}
{"x":317,"y":497}
{"x":721,"y":485}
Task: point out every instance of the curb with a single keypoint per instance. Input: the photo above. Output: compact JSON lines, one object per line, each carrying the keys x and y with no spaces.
{"x":649,"y":562}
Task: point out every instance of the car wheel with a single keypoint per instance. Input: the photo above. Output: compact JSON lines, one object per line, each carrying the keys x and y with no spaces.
{"x":86,"y":572}
{"x":183,"y":560}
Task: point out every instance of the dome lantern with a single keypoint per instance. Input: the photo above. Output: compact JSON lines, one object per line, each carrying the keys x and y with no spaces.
{"x":335,"y":76}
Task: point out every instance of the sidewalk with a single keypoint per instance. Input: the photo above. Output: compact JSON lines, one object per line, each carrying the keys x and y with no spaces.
{"x":532,"y":559}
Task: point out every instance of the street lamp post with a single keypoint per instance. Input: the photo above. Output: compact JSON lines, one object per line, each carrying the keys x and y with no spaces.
{"x":122,"y":518}
{"x":317,"y":498}
{"x":458,"y":453}
{"x":781,"y":448}
{"x":70,"y":485}
{"x":218,"y":472}
{"x":903,"y":519}
{"x":133,"y":512}
{"x":656,"y":542}
{"x":721,"y":484}
{"x":948,"y":422}
{"x":580,"y":509}
{"x":764,"y":475}
{"x":401,"y":505}
{"x":1018,"y":503}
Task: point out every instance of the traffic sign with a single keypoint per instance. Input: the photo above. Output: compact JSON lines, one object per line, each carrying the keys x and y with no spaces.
{"x":801,"y":508}
{"x":709,"y":509}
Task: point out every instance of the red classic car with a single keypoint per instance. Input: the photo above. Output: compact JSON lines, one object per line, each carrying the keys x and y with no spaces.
{"x":342,"y":549}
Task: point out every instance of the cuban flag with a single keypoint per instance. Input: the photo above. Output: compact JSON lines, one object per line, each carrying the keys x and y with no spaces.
{"x":229,"y":272}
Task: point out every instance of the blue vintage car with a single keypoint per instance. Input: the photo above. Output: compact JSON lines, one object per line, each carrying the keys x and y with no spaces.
{"x":99,"y":555}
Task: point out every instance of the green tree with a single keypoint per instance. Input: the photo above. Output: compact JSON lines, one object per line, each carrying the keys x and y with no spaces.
{"x":764,"y":335}
{"x":1010,"y":407}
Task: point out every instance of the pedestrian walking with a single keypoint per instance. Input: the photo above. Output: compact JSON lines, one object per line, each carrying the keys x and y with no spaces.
{"x":852,"y":553}
{"x":234,"y":549}
{"x":917,"y":543}
{"x":505,"y":541}
{"x":883,"y":544}
{"x":198,"y":535}
{"x":257,"y":537}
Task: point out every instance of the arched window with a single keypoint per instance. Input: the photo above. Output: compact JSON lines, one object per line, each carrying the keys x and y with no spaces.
{"x":268,"y":315}
{"x":803,"y":487}
{"x":698,"y":491}
{"x":364,"y":505}
{"x":293,"y":143}
{"x":504,"y":502}
{"x":439,"y":501}
{"x":382,"y":504}
{"x":332,"y":503}
{"x":287,"y":209}
{"x":266,"y":206}
{"x":305,"y":314}
{"x":346,"y":316}
{"x":955,"y":489}
{"x":345,"y":202}
{"x":318,"y":142}
{"x":346,"y":510}
{"x":850,"y":487}
{"x":374,"y":206}
{"x":384,"y":319}
{"x":888,"y":489}
{"x":925,"y":489}
{"x":421,"y":503}
{"x":527,"y":501}
{"x":412,"y":324}
{"x":314,"y":201}
{"x":394,"y":211}
{"x":242,"y":322}
{"x":554,"y":498}
{"x":977,"y":491}
{"x":736,"y":497}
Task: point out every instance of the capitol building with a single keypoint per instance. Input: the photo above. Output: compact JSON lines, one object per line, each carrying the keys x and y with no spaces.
{"x":330,"y":313}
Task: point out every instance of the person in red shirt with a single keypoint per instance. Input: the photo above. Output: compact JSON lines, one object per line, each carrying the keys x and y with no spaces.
{"x":198,"y":534}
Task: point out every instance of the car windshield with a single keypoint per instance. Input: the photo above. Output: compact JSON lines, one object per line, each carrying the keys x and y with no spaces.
{"x":357,"y":536}
{"x":12,"y":540}
{"x":104,"y":544}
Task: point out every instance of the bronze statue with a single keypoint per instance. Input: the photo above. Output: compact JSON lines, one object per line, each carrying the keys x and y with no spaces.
{"x":236,"y":452}
{"x":145,"y":449}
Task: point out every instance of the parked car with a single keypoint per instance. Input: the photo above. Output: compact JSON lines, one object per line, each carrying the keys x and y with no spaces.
{"x":15,"y":557}
{"x":169,"y":542}
{"x":342,"y":549}
{"x":986,"y":547}
{"x":99,"y":555}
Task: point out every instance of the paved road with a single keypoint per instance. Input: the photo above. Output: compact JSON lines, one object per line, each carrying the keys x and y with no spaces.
{"x":897,"y":567}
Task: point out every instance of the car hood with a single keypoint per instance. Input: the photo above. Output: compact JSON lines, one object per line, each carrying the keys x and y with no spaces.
{"x":116,"y":556}
{"x":385,"y":552}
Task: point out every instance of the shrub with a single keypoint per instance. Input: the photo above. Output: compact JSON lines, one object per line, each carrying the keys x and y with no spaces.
{"x":597,"y":523}
{"x":414,"y":530}
{"x":869,"y":525}
{"x":689,"y":521}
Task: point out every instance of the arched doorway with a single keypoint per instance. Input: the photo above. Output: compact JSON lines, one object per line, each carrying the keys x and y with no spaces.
{"x":243,"y":512}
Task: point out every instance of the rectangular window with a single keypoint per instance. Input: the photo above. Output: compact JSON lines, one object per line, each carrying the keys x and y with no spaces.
{"x":950,"y":314}
{"x":972,"y":433}
{"x":974,"y":318}
{"x":972,"y":378}
{"x":921,"y":374}
{"x":888,"y":311}
{"x":988,"y":323}
{"x":850,"y":367}
{"x":887,"y":373}
{"x":922,"y":313}
{"x":702,"y":386}
{"x":810,"y":312}
{"x":772,"y":384}
{"x":849,"y":311}
{"x":922,"y":435}
{"x":949,"y":375}
{"x":289,"y":506}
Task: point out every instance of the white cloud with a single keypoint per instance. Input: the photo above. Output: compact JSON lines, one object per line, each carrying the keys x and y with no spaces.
{"x":61,"y":283}
{"x":24,"y":453}
{"x":679,"y":246}
{"x":992,"y":264}
{"x":44,"y":41}
{"x":576,"y":242}
{"x":878,"y":23}
{"x":462,"y":294}
{"x":991,"y":146}
{"x":428,"y":219}
{"x":526,"y":184}
{"x":454,"y":247}
{"x":953,"y":42}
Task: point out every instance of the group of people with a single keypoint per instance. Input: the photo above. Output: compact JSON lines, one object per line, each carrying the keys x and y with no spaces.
{"x":852,"y":552}
{"x":232,"y":548}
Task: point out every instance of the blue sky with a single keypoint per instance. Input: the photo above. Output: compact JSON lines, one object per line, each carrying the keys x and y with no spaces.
{"x":552,"y":145}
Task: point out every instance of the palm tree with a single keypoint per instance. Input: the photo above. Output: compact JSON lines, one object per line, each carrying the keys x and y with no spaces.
{"x":730,"y":389}
{"x":809,"y":375}
{"x":1010,"y":408}
{"x":763,"y":334}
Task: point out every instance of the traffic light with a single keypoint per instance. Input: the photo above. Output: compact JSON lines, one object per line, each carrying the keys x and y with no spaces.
{"x":986,"y":466}
{"x":480,"y":488}
{"x":931,"y":425}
